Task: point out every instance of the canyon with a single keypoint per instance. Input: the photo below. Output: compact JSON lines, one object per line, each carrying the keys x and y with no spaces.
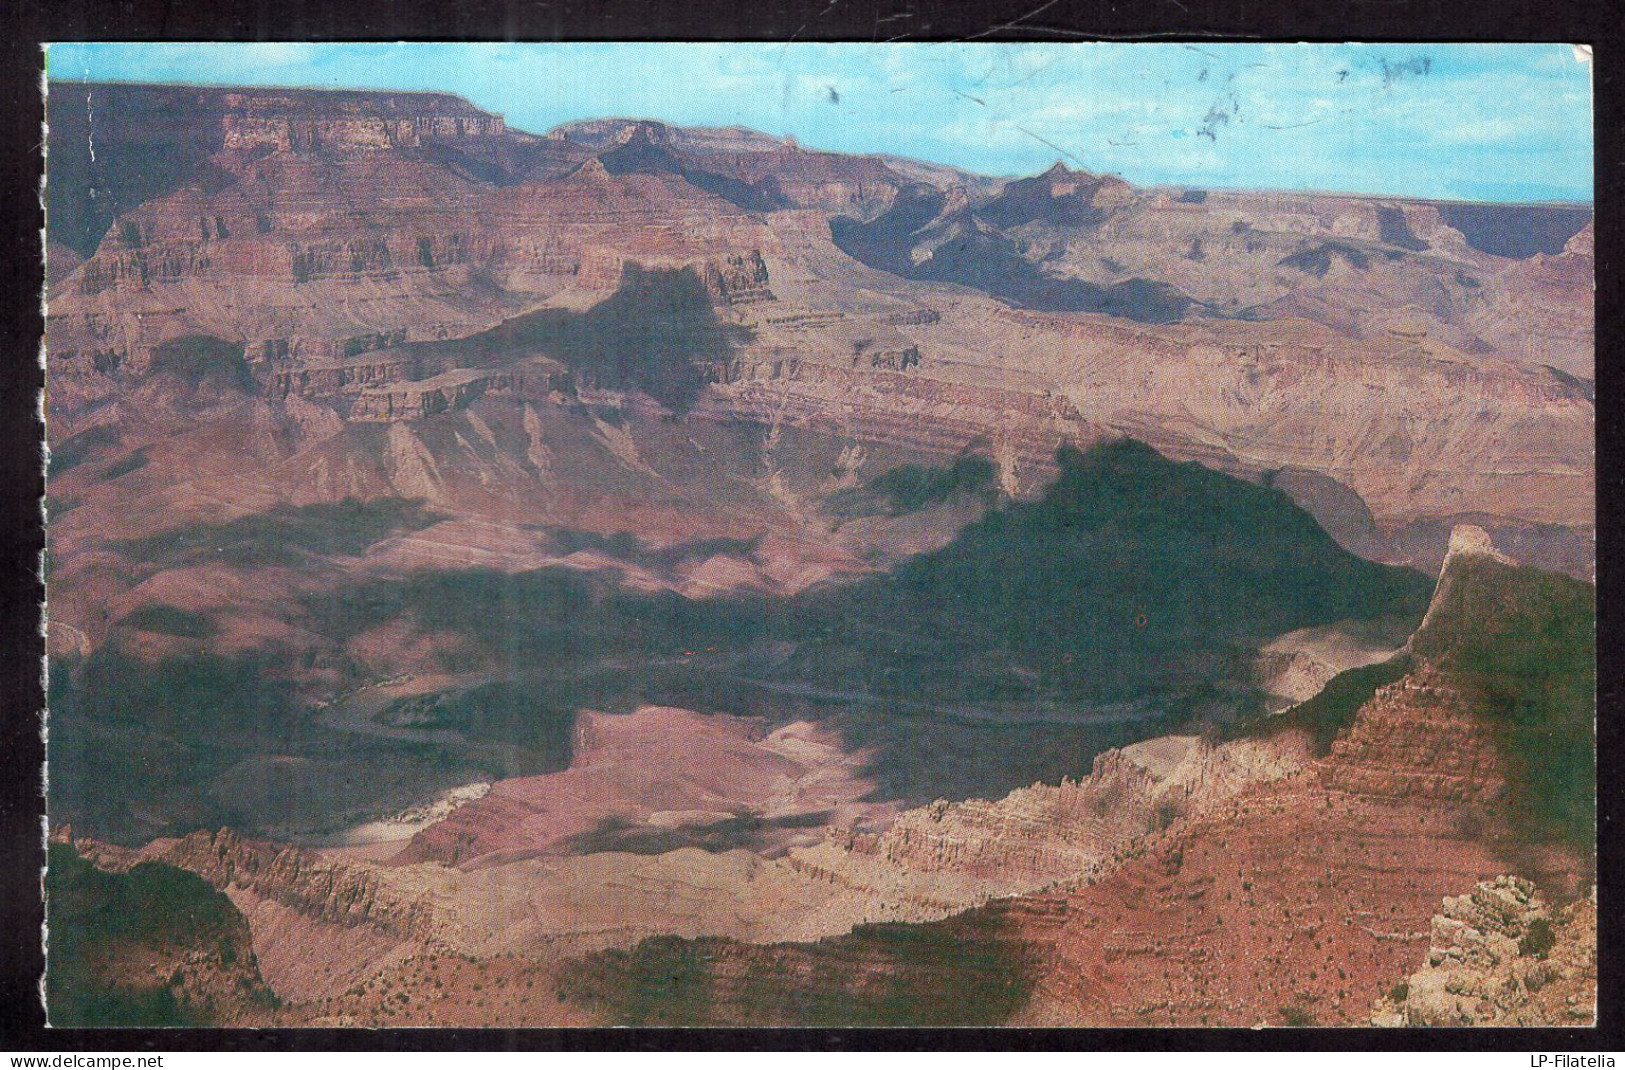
{"x":633,"y":574}
{"x":1168,"y":886}
{"x":336,"y":267}
{"x":1220,"y":917}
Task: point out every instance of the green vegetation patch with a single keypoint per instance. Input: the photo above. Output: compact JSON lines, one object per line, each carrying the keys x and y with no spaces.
{"x":957,"y":973}
{"x":108,"y":929}
{"x":287,"y":535}
{"x":169,"y":620}
{"x":1523,"y":645}
{"x":910,"y":488}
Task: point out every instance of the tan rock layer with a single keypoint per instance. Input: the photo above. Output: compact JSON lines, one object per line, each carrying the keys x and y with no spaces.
{"x":296,"y":878}
{"x":1500,"y":956}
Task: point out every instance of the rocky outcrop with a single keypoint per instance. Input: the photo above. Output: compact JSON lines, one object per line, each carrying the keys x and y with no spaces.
{"x":1420,"y":739}
{"x":1501,"y":956}
{"x":263,"y":121}
{"x":316,"y":887}
{"x":1047,"y":833}
{"x":1468,"y":542}
{"x":446,"y":392}
{"x":304,"y":249}
{"x":738,"y":279}
{"x":902,"y":408}
{"x":1293,"y":902}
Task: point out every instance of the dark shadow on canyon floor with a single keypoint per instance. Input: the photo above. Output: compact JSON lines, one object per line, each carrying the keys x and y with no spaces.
{"x":1127,"y":601}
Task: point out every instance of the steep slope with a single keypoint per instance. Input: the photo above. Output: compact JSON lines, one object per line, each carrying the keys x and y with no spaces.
{"x":314,"y":235}
{"x":1224,"y":918}
{"x":921,"y":237}
{"x":119,"y":144}
{"x":150,"y":946}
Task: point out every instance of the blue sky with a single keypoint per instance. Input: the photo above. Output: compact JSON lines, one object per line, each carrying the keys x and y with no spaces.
{"x":1483,"y":122}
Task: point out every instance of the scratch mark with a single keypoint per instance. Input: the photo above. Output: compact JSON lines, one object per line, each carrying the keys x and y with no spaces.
{"x":1220,"y":114}
{"x":1014,"y":22}
{"x":1053,"y":145}
{"x":967,"y":96}
{"x":90,"y":122}
{"x":1029,"y":77}
{"x":1065,"y":31}
{"x":803,"y":26}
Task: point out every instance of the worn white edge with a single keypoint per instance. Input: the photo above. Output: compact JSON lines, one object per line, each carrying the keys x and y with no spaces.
{"x":44,"y":513}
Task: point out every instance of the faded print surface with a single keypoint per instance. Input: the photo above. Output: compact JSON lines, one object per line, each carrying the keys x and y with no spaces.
{"x":848,"y":535}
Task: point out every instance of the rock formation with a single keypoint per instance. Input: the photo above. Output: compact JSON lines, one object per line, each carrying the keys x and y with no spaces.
{"x":1500,"y":956}
{"x":1222,"y":917}
{"x":391,"y":444}
{"x":425,"y":219}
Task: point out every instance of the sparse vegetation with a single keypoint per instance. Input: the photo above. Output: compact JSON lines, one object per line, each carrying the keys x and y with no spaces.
{"x":106,"y":928}
{"x":1538,"y":939}
{"x":286,"y":535}
{"x":1297,"y":1017}
{"x":928,"y":975}
{"x":1167,"y":811}
{"x":912,"y":487}
{"x":1522,"y":643}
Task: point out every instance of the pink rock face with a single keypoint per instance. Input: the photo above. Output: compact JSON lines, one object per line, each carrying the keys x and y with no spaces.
{"x":1222,"y":919}
{"x":338,"y":227}
{"x":659,"y":766}
{"x":336,"y":350}
{"x":1397,"y":814}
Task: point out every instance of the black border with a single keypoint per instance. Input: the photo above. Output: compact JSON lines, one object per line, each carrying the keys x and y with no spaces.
{"x":31,"y":22}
